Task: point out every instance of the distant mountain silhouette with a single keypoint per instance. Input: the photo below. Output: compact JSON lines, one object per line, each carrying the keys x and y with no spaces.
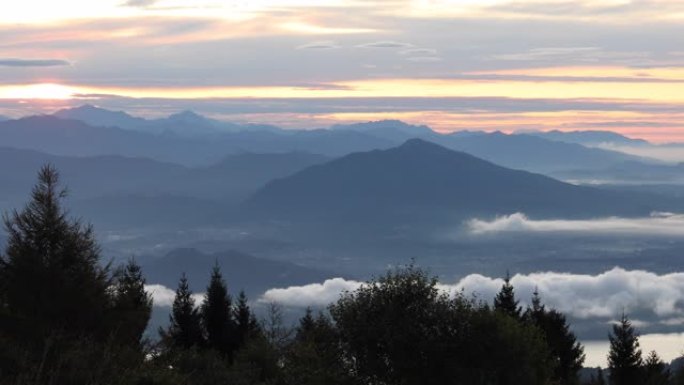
{"x":191,"y":139}
{"x":185,"y":123}
{"x":537,"y":152}
{"x":533,"y":153}
{"x":420,"y":178}
{"x":96,"y":177}
{"x":589,"y":137}
{"x":58,"y":136}
{"x":395,"y":130}
{"x":100,"y":117}
{"x":241,"y":271}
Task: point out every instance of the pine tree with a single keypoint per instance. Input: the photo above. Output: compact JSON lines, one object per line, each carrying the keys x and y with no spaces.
{"x":655,"y":370}
{"x":132,"y":304}
{"x":51,"y":272}
{"x":505,"y":301}
{"x":306,"y":324}
{"x":217,"y":315}
{"x":246,"y":323}
{"x":566,"y":352}
{"x":185,"y":330}
{"x":624,"y":358}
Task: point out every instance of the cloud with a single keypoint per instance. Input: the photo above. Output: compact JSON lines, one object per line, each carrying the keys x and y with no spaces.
{"x":33,"y":63}
{"x":139,"y":3}
{"x":315,"y":294}
{"x":581,"y":296}
{"x":669,"y":153}
{"x":668,"y":346}
{"x":162,"y":296}
{"x":419,"y":52}
{"x":578,"y":54}
{"x":657,"y":224}
{"x":424,"y":59}
{"x":593,"y":296}
{"x":322,"y":44}
{"x":385,"y":44}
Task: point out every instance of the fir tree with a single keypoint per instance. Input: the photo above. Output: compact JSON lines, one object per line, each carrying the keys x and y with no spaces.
{"x":132,"y":304}
{"x":51,"y":272}
{"x":655,"y":370}
{"x":505,"y":301}
{"x":185,"y":330}
{"x":566,"y":352}
{"x":306,"y":324}
{"x":246,"y":323}
{"x":217,"y":315}
{"x":624,"y":358}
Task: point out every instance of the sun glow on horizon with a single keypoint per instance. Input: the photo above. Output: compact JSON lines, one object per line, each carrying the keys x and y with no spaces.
{"x":41,"y":91}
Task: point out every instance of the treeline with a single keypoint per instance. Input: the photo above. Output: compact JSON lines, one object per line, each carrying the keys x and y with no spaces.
{"x":65,"y":318}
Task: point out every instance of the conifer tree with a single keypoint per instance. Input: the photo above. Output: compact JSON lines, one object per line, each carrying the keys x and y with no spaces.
{"x":655,"y":370}
{"x":51,"y":272}
{"x":306,"y":324}
{"x":566,"y":352}
{"x":217,"y":315}
{"x":132,"y":304}
{"x":624,"y":358}
{"x":505,"y":301}
{"x":185,"y":330}
{"x":246,"y":323}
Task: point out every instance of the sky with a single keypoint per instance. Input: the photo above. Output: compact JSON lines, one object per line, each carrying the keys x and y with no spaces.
{"x":490,"y":65}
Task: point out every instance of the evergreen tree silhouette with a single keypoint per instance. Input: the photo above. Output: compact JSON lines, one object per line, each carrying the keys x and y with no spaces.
{"x":185,"y":330}
{"x":566,"y":352}
{"x":246,"y":323}
{"x":132,"y":304}
{"x":505,"y":301}
{"x":624,"y":358}
{"x":51,"y":272}
{"x":217,"y":315}
{"x":655,"y":370}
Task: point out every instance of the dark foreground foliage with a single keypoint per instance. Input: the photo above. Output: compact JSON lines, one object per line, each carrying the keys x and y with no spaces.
{"x":66,"y":319}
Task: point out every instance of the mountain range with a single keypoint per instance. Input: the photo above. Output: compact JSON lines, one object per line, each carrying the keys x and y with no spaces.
{"x":420,"y":179}
{"x":589,"y":137}
{"x":192,"y":140}
{"x":107,"y":188}
{"x":184,"y":123}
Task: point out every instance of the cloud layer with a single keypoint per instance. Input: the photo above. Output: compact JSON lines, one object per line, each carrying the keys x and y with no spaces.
{"x":580,"y":296}
{"x":657,"y":224}
{"x":33,"y":63}
{"x":162,"y":296}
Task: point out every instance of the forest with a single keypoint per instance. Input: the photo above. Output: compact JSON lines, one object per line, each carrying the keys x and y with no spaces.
{"x":69,"y":317}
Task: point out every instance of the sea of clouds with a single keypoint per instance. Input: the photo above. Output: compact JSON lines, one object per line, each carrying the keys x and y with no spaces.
{"x":665,"y":224}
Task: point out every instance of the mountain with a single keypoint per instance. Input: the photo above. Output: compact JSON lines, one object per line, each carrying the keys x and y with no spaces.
{"x":533,"y":153}
{"x":228,"y":181}
{"x":420,"y":179}
{"x":241,"y":271}
{"x":185,"y":123}
{"x":589,"y":137}
{"x":202,"y":143}
{"x":388,"y":129}
{"x":54,"y":135}
{"x":58,"y":136}
{"x":4,"y":118}
{"x":101,"y":117}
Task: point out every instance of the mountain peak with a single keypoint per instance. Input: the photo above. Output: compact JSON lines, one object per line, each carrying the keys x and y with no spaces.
{"x":416,"y":143}
{"x":187,"y":115}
